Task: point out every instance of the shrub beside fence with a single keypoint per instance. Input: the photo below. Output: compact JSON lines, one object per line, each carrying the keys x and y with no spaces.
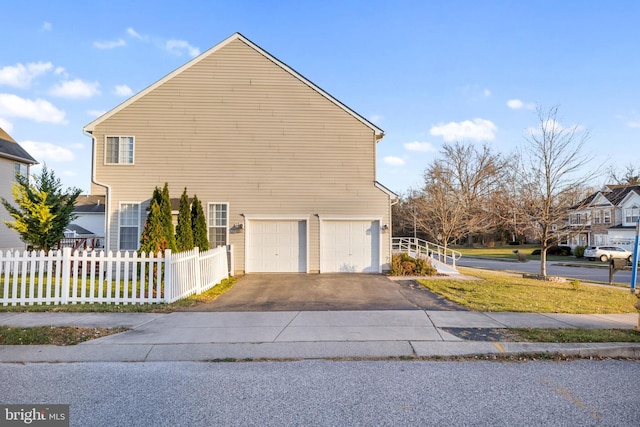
{"x":66,"y":277}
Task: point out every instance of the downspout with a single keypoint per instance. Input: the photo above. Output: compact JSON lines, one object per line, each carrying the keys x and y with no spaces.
{"x":107,"y":228}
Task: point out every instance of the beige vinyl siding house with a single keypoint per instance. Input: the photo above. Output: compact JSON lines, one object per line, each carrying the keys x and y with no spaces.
{"x":13,"y":159}
{"x":284,"y":171}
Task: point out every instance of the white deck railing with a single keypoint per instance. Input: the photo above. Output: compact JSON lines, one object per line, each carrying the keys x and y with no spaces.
{"x":66,"y":277}
{"x":419,"y":248}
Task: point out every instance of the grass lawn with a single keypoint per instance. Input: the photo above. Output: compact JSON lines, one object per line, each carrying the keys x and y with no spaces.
{"x":205,"y":297}
{"x":576,"y":335}
{"x":52,"y":335}
{"x":497,"y":291}
{"x":506,"y":252}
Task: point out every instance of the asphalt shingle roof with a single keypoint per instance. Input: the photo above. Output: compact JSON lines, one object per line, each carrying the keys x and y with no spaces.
{"x":13,"y":150}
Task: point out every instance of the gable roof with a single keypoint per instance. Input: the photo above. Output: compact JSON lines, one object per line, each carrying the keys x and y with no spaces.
{"x":10,"y":149}
{"x":79,"y":230}
{"x":633,"y":191}
{"x":89,"y":204}
{"x":237,"y":36}
{"x":615,"y":194}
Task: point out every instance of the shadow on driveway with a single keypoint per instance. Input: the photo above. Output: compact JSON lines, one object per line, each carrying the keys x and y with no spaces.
{"x":326,"y":292}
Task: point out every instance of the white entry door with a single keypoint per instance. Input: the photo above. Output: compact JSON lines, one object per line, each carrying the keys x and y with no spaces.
{"x":276,"y":246}
{"x":350,"y":246}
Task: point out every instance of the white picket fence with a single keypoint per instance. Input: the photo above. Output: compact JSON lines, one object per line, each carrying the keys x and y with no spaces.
{"x":66,"y":277}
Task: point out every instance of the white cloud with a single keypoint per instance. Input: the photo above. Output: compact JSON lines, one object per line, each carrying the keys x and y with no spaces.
{"x":96,"y":113}
{"x":375,"y":118}
{"x":21,"y":75}
{"x":123,"y":90}
{"x":38,"y":110}
{"x":69,"y":173}
{"x":75,"y":89}
{"x":478,"y":129}
{"x":134,"y":33}
{"x":553,"y":126}
{"x":111,"y":44}
{"x":634,"y":123}
{"x":516,"y":104}
{"x":45,"y":151}
{"x":487,"y":92}
{"x":419,"y":146}
{"x":46,"y":26}
{"x":177,"y":47}
{"x":6,"y":125}
{"x":394,"y":161}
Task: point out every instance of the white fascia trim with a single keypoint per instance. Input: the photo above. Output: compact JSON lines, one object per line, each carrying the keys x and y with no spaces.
{"x":385,"y":190}
{"x":630,"y":195}
{"x":341,"y":217}
{"x":275,"y":217}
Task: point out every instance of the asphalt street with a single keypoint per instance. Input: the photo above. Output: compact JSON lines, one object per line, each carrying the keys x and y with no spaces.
{"x":332,"y":393}
{"x":591,"y":271}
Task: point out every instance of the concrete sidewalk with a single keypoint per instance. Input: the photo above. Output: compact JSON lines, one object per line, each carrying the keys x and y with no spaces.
{"x":183,"y":336}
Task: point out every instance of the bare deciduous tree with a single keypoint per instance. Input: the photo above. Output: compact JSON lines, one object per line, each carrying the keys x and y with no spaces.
{"x":630,"y":175}
{"x":471,"y":176}
{"x":456,"y":199}
{"x":552,"y":166}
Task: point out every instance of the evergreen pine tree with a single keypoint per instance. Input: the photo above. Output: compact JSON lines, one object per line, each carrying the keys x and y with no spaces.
{"x":184,"y":230}
{"x":44,"y":210}
{"x":199,"y":224}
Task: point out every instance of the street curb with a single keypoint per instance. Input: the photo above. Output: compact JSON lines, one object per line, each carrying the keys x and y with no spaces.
{"x":305,"y":350}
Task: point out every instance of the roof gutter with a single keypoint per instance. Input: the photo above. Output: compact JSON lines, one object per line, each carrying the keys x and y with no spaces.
{"x":107,"y":231}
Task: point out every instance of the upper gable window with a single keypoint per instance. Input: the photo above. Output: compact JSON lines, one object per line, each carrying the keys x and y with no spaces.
{"x":119,"y":150}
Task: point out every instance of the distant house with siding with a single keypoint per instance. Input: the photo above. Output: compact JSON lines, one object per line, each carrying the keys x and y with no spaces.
{"x":13,"y":160}
{"x":606,"y":217}
{"x":285,"y":172}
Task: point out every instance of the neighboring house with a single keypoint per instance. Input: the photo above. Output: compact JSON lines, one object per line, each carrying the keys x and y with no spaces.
{"x":89,"y":211}
{"x":285,"y":172}
{"x":13,"y":160}
{"x":606,"y":217}
{"x":89,"y":222}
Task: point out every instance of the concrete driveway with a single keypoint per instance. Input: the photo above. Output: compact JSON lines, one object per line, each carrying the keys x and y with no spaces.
{"x":326,"y":292}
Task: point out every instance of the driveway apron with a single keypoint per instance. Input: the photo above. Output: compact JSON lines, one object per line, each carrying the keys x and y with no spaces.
{"x":325,"y":292}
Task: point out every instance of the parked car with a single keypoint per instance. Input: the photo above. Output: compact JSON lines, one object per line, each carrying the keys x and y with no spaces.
{"x":605,"y":253}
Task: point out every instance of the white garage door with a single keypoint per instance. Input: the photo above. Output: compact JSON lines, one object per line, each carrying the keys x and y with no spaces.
{"x":277,"y":246}
{"x":351,"y":246}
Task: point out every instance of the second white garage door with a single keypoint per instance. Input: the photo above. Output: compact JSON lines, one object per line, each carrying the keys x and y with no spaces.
{"x":277,"y":246}
{"x":350,"y":246}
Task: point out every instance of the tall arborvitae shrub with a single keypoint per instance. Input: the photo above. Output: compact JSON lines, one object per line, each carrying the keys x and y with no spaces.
{"x":153,"y":238}
{"x":184,"y":230}
{"x":199,"y":224}
{"x":167,"y":219}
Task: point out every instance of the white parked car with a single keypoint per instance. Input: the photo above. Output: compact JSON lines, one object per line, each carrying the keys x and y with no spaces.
{"x":605,"y":253}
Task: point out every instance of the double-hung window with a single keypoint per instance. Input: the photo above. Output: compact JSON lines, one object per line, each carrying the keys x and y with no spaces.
{"x":218,"y":219}
{"x":128,"y":226}
{"x":119,"y":150}
{"x":20,"y":169}
{"x":632,"y":214}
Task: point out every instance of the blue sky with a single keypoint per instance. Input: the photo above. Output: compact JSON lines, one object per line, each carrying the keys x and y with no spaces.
{"x":427,"y":72}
